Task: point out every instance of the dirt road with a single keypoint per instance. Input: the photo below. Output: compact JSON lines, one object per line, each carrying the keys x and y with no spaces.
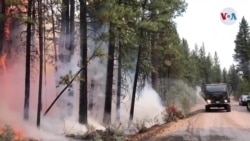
{"x":213,"y":126}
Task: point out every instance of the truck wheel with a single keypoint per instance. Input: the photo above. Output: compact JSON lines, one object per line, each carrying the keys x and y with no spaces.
{"x":207,"y":108}
{"x":248,"y":106}
{"x":228,"y":108}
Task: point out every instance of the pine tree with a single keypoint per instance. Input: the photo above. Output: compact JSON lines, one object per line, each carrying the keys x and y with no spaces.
{"x":216,"y":69}
{"x":162,"y":40}
{"x":27,"y":66}
{"x":233,"y":78}
{"x":158,"y":43}
{"x":41,"y":46}
{"x":224,"y":76}
{"x":242,"y":49}
{"x":202,"y":63}
{"x":188,"y":67}
{"x":83,"y":100}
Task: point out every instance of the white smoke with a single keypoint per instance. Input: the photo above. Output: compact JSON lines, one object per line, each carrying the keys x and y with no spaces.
{"x":149,"y":104}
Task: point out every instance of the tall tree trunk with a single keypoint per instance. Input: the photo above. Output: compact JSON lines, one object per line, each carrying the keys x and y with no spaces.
{"x":109,"y":79}
{"x":91,"y":95}
{"x":119,"y":75}
{"x":72,"y":26}
{"x":168,"y":78}
{"x":137,"y":70}
{"x":40,"y":32}
{"x":27,"y":67}
{"x":119,"y":83}
{"x":83,"y":100}
{"x":53,"y":31}
{"x":64,"y":28}
{"x":65,"y":55}
{"x":2,"y":23}
{"x":155,"y":73}
{"x":67,"y":36}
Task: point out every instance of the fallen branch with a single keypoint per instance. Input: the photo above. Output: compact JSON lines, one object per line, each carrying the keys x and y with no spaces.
{"x":95,"y":54}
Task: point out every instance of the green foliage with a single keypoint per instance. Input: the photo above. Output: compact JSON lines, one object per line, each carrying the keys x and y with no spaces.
{"x":186,"y":104}
{"x":65,"y":80}
{"x":233,"y":78}
{"x":243,"y":88}
{"x":188,"y":64}
{"x":2,"y":17}
{"x":224,"y":76}
{"x":98,"y":52}
{"x":112,"y":132}
{"x":242,"y":49}
{"x":13,"y":2}
{"x":7,"y":134}
{"x":217,"y":75}
{"x":182,"y":96}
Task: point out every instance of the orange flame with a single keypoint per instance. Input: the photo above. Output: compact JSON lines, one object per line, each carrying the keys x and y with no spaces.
{"x":3,"y":61}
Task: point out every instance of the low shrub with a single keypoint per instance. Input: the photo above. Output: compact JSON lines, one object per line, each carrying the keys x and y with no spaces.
{"x":172,"y":114}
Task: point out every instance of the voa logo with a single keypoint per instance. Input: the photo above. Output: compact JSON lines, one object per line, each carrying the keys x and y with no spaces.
{"x":228,"y":16}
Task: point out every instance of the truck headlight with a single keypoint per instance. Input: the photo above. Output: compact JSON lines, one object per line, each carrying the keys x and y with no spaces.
{"x":209,"y":101}
{"x":225,"y":101}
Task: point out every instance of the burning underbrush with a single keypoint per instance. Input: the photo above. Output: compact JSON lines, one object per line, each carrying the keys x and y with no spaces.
{"x":8,"y":133}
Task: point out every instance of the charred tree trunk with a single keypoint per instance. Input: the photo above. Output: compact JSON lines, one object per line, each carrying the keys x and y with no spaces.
{"x":2,"y":23}
{"x":40,"y":34}
{"x":27,"y":67}
{"x":109,"y":79}
{"x":83,"y":103}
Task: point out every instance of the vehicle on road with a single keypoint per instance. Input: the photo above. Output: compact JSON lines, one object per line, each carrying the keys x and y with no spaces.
{"x":216,"y":95}
{"x":243,"y":99}
{"x":248,"y":103}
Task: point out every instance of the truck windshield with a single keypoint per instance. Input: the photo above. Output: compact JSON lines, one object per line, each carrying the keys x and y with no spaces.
{"x":216,"y":88}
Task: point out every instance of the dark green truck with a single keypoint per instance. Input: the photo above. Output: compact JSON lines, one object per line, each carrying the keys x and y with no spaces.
{"x":216,"y":95}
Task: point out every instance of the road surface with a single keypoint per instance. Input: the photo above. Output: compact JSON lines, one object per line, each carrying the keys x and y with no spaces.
{"x":207,"y":126}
